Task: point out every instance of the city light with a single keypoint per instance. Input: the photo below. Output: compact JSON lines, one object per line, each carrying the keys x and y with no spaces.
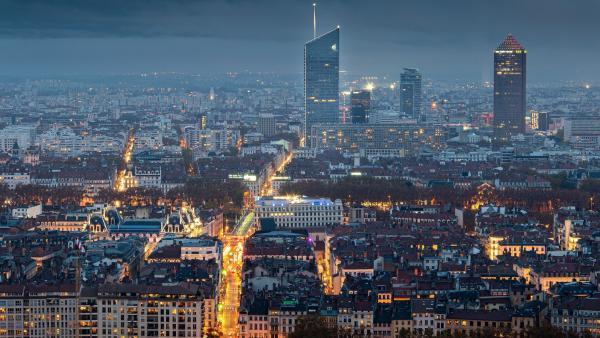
{"x":359,"y":182}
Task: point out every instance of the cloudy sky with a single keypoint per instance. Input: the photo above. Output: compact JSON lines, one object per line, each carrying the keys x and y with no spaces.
{"x":446,"y":39}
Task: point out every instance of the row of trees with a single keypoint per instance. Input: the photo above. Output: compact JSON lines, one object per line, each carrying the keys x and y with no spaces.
{"x":36,"y":194}
{"x":198,"y":192}
{"x":316,"y":327}
{"x":370,"y":189}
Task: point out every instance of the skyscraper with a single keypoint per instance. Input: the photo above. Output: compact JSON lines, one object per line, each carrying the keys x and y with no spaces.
{"x":361,"y":106}
{"x":321,"y":80}
{"x":540,"y":121}
{"x":509,"y":89}
{"x":410,"y":93}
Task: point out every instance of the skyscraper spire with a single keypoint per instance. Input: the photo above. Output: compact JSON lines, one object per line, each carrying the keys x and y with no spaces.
{"x":510,"y":43}
{"x":314,"y":20}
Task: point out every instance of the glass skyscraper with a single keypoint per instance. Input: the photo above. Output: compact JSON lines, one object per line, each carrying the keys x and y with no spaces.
{"x":411,"y":93}
{"x":509,"y":89}
{"x":361,"y":106}
{"x":321,"y":80}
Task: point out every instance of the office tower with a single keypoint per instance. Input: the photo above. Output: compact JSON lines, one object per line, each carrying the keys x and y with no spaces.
{"x":543,"y":121}
{"x":361,"y":106}
{"x":321,"y":80}
{"x":266,"y":124}
{"x":540,"y":121}
{"x":509,"y":89}
{"x":202,"y":120}
{"x":410,"y":93}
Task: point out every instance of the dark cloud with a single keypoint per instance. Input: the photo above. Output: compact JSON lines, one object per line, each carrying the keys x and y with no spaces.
{"x":446,"y":38}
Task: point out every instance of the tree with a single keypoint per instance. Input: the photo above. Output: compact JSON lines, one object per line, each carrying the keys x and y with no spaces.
{"x":545,"y":331}
{"x":312,"y":326}
{"x":404,"y":333}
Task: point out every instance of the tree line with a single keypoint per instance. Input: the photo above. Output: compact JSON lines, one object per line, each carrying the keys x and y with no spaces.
{"x":362,"y":189}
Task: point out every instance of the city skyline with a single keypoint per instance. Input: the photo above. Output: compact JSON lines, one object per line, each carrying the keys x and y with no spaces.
{"x":290,"y":169}
{"x":180,"y":38}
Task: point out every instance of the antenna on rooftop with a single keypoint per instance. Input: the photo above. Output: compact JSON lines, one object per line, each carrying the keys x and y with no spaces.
{"x":314,"y":20}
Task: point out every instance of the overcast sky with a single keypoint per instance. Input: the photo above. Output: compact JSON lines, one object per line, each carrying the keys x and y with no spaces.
{"x":446,"y":39}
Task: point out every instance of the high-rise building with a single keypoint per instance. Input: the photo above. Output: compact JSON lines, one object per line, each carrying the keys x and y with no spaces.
{"x":540,"y":121}
{"x":543,"y":121}
{"x":509,"y":89}
{"x":410,"y":93}
{"x":202,"y":120}
{"x":321,"y":80}
{"x":361,"y":106}
{"x":266,"y":124}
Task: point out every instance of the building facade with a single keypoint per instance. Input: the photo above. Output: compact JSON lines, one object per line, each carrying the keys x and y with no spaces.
{"x":266,"y":124}
{"x":583,"y":132}
{"x":411,"y":93}
{"x":299,"y":212}
{"x":368,"y":136}
{"x":321,"y":80}
{"x":509,"y":89}
{"x":361,"y":106}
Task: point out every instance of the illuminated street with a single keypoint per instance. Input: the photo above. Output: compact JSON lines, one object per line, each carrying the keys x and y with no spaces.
{"x":324,"y":269}
{"x":267,"y":189}
{"x":230,"y":286}
{"x":233,"y":260}
{"x":127,"y":151}
{"x":231,"y":279}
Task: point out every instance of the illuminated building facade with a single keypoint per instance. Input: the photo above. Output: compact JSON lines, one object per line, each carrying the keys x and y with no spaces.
{"x":321,"y":80}
{"x":361,"y":106}
{"x":509,"y":89}
{"x":299,"y":212}
{"x":109,"y":310}
{"x":38,"y":311}
{"x":540,"y":121}
{"x":411,"y":94}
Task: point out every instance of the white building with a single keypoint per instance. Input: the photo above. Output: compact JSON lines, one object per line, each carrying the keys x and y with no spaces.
{"x":148,"y":177}
{"x":200,"y":249}
{"x":23,"y":136}
{"x":207,"y":140}
{"x":14,"y":177}
{"x":583,"y":132}
{"x":27,"y":211}
{"x":64,"y":140}
{"x":299,"y":212}
{"x":148,"y":139}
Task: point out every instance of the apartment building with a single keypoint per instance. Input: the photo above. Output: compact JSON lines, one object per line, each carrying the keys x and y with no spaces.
{"x":38,"y":311}
{"x":109,"y":311}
